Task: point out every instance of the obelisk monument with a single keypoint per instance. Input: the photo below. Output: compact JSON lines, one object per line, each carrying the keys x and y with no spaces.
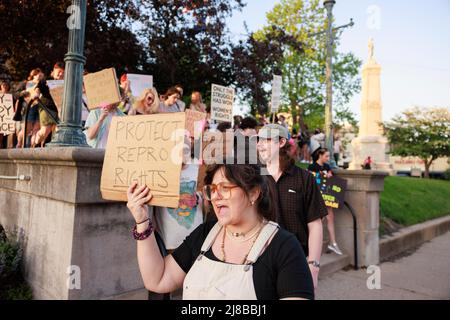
{"x":370,"y":140}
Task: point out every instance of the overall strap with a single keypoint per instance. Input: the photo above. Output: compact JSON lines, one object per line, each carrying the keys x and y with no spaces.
{"x":210,"y":238}
{"x":266,"y":233}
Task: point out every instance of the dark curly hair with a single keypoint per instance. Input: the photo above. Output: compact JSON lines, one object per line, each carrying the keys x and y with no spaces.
{"x":247,"y":176}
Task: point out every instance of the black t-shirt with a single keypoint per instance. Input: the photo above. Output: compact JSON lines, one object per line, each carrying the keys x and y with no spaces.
{"x":299,"y":202}
{"x":280,"y":272}
{"x":315,"y":167}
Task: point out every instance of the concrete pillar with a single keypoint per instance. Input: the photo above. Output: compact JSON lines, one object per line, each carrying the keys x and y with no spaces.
{"x":363,"y":195}
{"x":67,"y":225}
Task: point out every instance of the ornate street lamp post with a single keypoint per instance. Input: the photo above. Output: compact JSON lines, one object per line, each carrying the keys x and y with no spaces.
{"x":329,"y":67}
{"x":69,"y":133}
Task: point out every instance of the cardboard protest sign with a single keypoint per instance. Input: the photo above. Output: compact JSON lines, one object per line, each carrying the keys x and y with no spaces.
{"x":195,"y":122}
{"x":332,"y":189}
{"x":146,"y":149}
{"x":101,"y":87}
{"x":57,"y":92}
{"x":222,"y":99}
{"x":138,"y":83}
{"x":7,"y":124}
{"x":276,"y":93}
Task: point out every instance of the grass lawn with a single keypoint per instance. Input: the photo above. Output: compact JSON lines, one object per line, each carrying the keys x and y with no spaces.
{"x":408,"y":201}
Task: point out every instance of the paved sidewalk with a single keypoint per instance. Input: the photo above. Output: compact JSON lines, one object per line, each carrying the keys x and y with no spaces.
{"x":425,"y":274}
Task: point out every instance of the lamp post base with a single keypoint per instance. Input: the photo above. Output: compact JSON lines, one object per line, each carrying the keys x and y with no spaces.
{"x":68,"y":136}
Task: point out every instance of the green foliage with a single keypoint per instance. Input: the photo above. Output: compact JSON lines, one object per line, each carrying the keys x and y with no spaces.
{"x":303,"y":66}
{"x":12,"y":285}
{"x":158,"y":37}
{"x":420,"y":132}
{"x":409,"y":201}
{"x":447,"y":174}
{"x":36,"y":35}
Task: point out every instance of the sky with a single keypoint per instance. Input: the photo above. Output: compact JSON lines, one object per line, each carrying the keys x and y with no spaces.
{"x":411,"y":40}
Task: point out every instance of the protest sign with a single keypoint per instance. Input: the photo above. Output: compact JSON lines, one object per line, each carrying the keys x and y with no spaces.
{"x":7,"y":124}
{"x":276,"y":93}
{"x":101,"y":87}
{"x":55,"y":83}
{"x":146,"y":149}
{"x":195,"y":122}
{"x":138,"y":83}
{"x":222,"y":99}
{"x":57,"y":92}
{"x":332,"y":189}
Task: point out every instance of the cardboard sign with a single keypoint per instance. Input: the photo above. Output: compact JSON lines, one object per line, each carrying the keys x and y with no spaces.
{"x":57,"y":92}
{"x":101,"y":87}
{"x":138,"y":83}
{"x":7,"y":124}
{"x":195,"y":122}
{"x":222,"y":99}
{"x":332,"y":189}
{"x":146,"y":149}
{"x":276,"y":93}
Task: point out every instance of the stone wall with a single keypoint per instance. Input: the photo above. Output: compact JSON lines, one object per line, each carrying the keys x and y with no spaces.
{"x":363,"y":195}
{"x":66,"y":223}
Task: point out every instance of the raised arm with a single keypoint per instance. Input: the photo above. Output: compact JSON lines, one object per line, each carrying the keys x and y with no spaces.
{"x":160,"y":275}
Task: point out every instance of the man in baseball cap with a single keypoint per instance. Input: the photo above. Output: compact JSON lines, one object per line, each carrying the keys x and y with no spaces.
{"x":271,"y":131}
{"x":300,"y":203}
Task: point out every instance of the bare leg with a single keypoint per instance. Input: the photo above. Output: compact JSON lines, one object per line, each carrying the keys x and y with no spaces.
{"x":330,"y":225}
{"x":20,"y":135}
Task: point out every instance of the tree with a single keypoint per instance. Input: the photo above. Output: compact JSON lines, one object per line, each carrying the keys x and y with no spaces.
{"x":35,"y":34}
{"x":292,"y":24}
{"x":188,"y":42}
{"x":420,"y":132}
{"x":254,"y":64}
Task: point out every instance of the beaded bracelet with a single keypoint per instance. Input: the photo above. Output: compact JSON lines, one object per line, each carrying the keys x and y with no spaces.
{"x":143,"y":235}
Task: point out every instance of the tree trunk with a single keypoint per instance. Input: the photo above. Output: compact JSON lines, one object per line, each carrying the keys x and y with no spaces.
{"x":427,"y":163}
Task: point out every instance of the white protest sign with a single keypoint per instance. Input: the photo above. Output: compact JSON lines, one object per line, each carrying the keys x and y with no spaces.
{"x":7,"y":124}
{"x":55,"y":83}
{"x":138,"y":83}
{"x":222,"y":103}
{"x":276,"y":93}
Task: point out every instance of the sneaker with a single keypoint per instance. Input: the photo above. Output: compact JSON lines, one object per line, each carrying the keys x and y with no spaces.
{"x":334,"y":247}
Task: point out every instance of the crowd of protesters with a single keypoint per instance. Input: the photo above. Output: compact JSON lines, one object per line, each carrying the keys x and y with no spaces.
{"x":270,"y":224}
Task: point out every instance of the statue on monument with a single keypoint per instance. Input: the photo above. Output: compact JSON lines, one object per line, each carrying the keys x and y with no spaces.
{"x":371,"y":48}
{"x":371,"y":141}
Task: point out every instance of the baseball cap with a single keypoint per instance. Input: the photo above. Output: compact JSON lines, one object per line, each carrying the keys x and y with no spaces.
{"x":273,"y":130}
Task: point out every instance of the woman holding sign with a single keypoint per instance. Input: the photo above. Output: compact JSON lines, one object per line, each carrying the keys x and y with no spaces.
{"x":98,"y":124}
{"x":244,"y":255}
{"x":321,"y":171}
{"x":148,"y":103}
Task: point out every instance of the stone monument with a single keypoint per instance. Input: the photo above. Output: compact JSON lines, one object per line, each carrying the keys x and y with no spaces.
{"x":370,"y":140}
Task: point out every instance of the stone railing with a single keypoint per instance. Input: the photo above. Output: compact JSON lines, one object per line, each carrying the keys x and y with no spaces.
{"x":363,"y":195}
{"x":77,"y":246}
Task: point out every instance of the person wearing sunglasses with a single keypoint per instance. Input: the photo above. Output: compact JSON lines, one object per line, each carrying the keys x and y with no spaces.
{"x":148,"y":103}
{"x":241,"y":255}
